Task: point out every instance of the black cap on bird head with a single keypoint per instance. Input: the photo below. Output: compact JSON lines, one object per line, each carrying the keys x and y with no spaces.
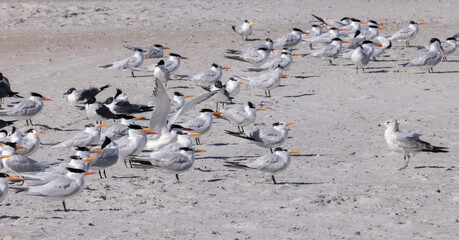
{"x":218,"y":84}
{"x":106,"y":142}
{"x":178,"y":94}
{"x":451,"y":38}
{"x":75,"y":157}
{"x":158,"y":46}
{"x":4,"y":175}
{"x":83,"y":149}
{"x":373,"y":26}
{"x":134,"y":126}
{"x":276,"y":124}
{"x":174,"y":54}
{"x":233,"y":79}
{"x":118,"y":92}
{"x":186,"y":149}
{"x":30,"y":130}
{"x":315,"y":26}
{"x":247,"y":21}
{"x":413,"y":22}
{"x":215,"y":65}
{"x":337,"y":39}
{"x":75,"y":170}
{"x":279,"y":149}
{"x":36,"y":94}
{"x":269,"y":40}
{"x":367,"y":42}
{"x":109,"y":100}
{"x":297,"y":30}
{"x":344,"y":18}
{"x":250,"y":104}
{"x":160,"y":63}
{"x":90,"y":100}
{"x":263,"y":48}
{"x":206,"y":110}
{"x":11,"y":144}
{"x":434,"y":40}
{"x":70,"y":91}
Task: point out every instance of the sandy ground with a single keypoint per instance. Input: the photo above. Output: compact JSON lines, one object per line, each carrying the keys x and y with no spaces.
{"x":345,"y":184}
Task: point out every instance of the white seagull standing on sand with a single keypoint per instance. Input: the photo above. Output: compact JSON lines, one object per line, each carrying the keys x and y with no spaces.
{"x":407,"y":34}
{"x":26,"y":109}
{"x":244,"y":29}
{"x":130,"y":63}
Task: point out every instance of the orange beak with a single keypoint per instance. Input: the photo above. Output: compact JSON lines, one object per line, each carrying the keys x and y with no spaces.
{"x":253,"y":24}
{"x":226,"y":68}
{"x":217,"y":113}
{"x":343,"y":29}
{"x":241,"y":81}
{"x":296,"y":54}
{"x":4,"y":156}
{"x":261,"y":109}
{"x":422,"y":23}
{"x":289,"y":123}
{"x":378,"y":44}
{"x":191,"y":95}
{"x":363,"y":22}
{"x":47,"y":99}
{"x":139,"y":117}
{"x":380,"y":24}
{"x":199,"y":150}
{"x":382,"y":28}
{"x":101,"y":125}
{"x":294,"y":151}
{"x":442,"y":49}
{"x":37,"y":134}
{"x":306,"y":33}
{"x":345,"y":42}
{"x":15,"y":178}
{"x":146,"y":130}
{"x":90,"y":159}
{"x":183,"y":58}
{"x":20,"y":147}
{"x":166,"y":48}
{"x":325,"y":25}
{"x":97,"y":151}
{"x":284,"y":75}
{"x":90,"y":172}
{"x":194,"y":134}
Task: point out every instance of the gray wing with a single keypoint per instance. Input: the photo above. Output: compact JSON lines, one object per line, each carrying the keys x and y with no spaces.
{"x":189,"y":105}
{"x":24,"y":108}
{"x":408,"y":140}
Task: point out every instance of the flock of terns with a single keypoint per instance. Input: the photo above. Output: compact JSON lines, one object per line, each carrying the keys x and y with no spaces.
{"x":167,"y":144}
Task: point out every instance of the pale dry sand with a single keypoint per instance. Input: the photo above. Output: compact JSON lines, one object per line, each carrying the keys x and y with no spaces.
{"x":344,"y":185}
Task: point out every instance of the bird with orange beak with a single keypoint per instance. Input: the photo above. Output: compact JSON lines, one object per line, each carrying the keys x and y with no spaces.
{"x":406,"y":34}
{"x":26,"y":109}
{"x":244,"y":30}
{"x":4,"y":178}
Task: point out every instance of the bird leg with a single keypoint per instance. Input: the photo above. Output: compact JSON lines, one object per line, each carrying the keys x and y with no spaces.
{"x":105,"y":174}
{"x":65,"y":208}
{"x":274,"y":179}
{"x":406,"y":159}
{"x":132,"y":73}
{"x":363,"y":69}
{"x":271,"y":150}
{"x":100,"y":175}
{"x":310,"y":46}
{"x":357,"y":69}
{"x":176,"y":176}
{"x":444,"y":59}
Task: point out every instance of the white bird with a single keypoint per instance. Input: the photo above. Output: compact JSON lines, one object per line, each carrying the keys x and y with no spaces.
{"x":134,"y":142}
{"x":156,"y":51}
{"x":4,"y":188}
{"x":255,"y":57}
{"x":428,"y":59}
{"x":206,"y":77}
{"x":406,"y":142}
{"x":30,"y":142}
{"x":268,"y":137}
{"x":233,"y":87}
{"x":202,"y":123}
{"x":161,"y":73}
{"x":334,"y":23}
{"x":367,"y":47}
{"x":352,"y":28}
{"x":371,"y":23}
{"x":265,"y":81}
{"x":372,"y":32}
{"x":269,"y":164}
{"x":329,"y":52}
{"x":81,"y":96}
{"x":59,"y":188}
{"x":26,"y":109}
{"x":174,"y":162}
{"x":449,"y":46}
{"x":17,"y":163}
{"x":289,"y":40}
{"x":315,"y":31}
{"x":240,"y":115}
{"x":90,"y":136}
{"x":98,"y":112}
{"x":120,"y":104}
{"x":172,"y":64}
{"x":178,"y":101}
{"x":118,"y":130}
{"x":284,"y":60}
{"x":385,"y":44}
{"x":106,"y":158}
{"x":360,"y":59}
{"x":129,"y":63}
{"x":407,"y":34}
{"x":244,"y":29}
{"x":324,"y":38}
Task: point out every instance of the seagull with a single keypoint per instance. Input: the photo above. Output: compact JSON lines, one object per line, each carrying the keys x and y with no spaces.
{"x":4,"y":178}
{"x":240,"y":115}
{"x":107,"y":158}
{"x":284,"y":60}
{"x":201,"y":124}
{"x":99,"y":112}
{"x":156,"y":51}
{"x":289,"y":40}
{"x":130,"y":63}
{"x":121,"y":105}
{"x":206,"y":77}
{"x":173,"y":162}
{"x":268,"y":137}
{"x":255,"y":57}
{"x":5,"y":89}
{"x":265,"y":81}
{"x":81,"y":96}
{"x":90,"y":136}
{"x":118,"y":130}
{"x":329,"y":52}
{"x":17,"y":163}
{"x":26,"y":109}
{"x":269,"y":164}
{"x":407,"y":34}
{"x":406,"y":142}
{"x":245,"y":29}
{"x":59,"y":188}
{"x":429,"y":59}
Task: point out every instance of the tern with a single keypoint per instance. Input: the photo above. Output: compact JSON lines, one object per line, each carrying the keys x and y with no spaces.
{"x":156,"y":51}
{"x":90,"y":136}
{"x":255,"y":57}
{"x":30,"y":141}
{"x":324,"y":38}
{"x":334,"y":22}
{"x":161,"y":73}
{"x":178,"y":101}
{"x":407,"y":34}
{"x":406,"y":142}
{"x":268,"y":137}
{"x":429,"y":59}
{"x":119,"y":104}
{"x":26,"y":109}
{"x":329,"y":52}
{"x":99,"y":112}
{"x":4,"y":188}
{"x":106,"y":158}
{"x":118,"y":130}
{"x":221,"y":96}
{"x":360,"y":59}
{"x":206,"y":77}
{"x":244,"y":29}
{"x":240,"y":115}
{"x":201,"y":124}
{"x":134,"y":142}
{"x":449,"y":46}
{"x":17,"y":163}
{"x":265,"y":81}
{"x":284,"y":60}
{"x":81,"y":96}
{"x":130,"y":63}
{"x":289,"y":40}
{"x":233,"y":87}
{"x":269,"y":164}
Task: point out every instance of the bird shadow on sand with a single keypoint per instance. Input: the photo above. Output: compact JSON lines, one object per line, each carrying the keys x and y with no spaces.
{"x":299,"y":183}
{"x":223,"y":144}
{"x":215,"y":180}
{"x":421,"y":167}
{"x":211,"y":157}
{"x":141,"y":76}
{"x":253,"y":39}
{"x":56,"y":128}
{"x":179,"y":87}
{"x":452,"y":61}
{"x":71,"y":210}
{"x":306,"y":155}
{"x":125,"y":177}
{"x":9,"y":217}
{"x":300,"y":95}
{"x":385,"y":60}
{"x":304,"y":77}
{"x":377,"y":71}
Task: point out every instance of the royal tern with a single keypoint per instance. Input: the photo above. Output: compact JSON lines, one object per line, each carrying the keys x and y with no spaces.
{"x":59,"y":188}
{"x":233,"y":87}
{"x":406,"y":142}
{"x":329,"y":52}
{"x":90,"y":136}
{"x":352,"y":28}
{"x":334,"y":23}
{"x":156,"y":51}
{"x":269,"y":164}
{"x":5,"y":88}
{"x":174,"y":162}
{"x":17,"y":163}
{"x":4,"y":188}
{"x":449,"y":46}
{"x":221,"y":96}
{"x":118,"y":130}
{"x":244,"y":29}
{"x":265,"y":81}
{"x":121,"y":105}
{"x":134,"y":142}
{"x":202,"y":123}
{"x":14,"y":136}
{"x":206,"y":77}
{"x":284,"y":60}
{"x":81,"y":96}
{"x":30,"y":141}
{"x":268,"y":137}
{"x":240,"y":115}
{"x":371,"y":23}
{"x":367,"y":47}
{"x":178,"y":101}
{"x":360,"y":59}
{"x":172,"y":64}
{"x":105,"y":159}
{"x":407,"y":34}
{"x":255,"y":57}
{"x":385,"y":44}
{"x":26,"y":109}
{"x":357,"y":40}
{"x":161,"y":73}
{"x":289,"y":40}
{"x":130,"y":63}
{"x":324,"y":38}
{"x":429,"y":59}
{"x":372,"y":32}
{"x":267,"y":44}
